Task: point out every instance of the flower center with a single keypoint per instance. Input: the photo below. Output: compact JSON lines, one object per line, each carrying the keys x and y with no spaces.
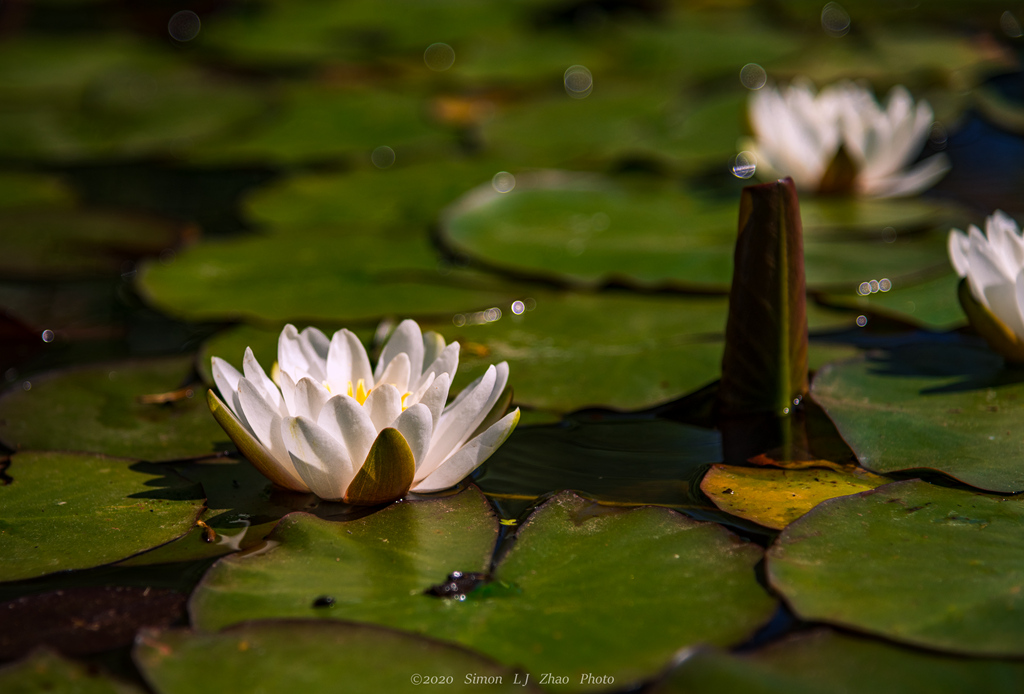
{"x":360,"y":392}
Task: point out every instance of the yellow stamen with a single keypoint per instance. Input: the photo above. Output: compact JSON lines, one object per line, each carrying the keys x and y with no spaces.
{"x":360,"y":391}
{"x":275,"y":374}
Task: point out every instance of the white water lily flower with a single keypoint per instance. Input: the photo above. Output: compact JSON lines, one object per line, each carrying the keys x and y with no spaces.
{"x":992,"y":265}
{"x":842,"y":140}
{"x":328,"y":424}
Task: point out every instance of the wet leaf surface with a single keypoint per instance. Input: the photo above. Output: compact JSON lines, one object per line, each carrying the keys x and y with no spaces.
{"x":581,"y":568}
{"x":75,"y":511}
{"x":932,"y":304}
{"x":80,"y":621}
{"x":920,"y":564}
{"x":280,"y":655}
{"x":825,"y":660}
{"x":948,"y":405}
{"x":96,"y":408}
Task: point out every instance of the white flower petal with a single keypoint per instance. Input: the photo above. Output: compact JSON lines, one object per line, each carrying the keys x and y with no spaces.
{"x":447,"y":362}
{"x":433,"y":345}
{"x":417,"y":426}
{"x":339,"y":362}
{"x":469,"y":457}
{"x":288,"y":394}
{"x":397,"y":373}
{"x":462,"y":417}
{"x":346,"y":420}
{"x":408,"y":340}
{"x":436,"y":395}
{"x":383,"y":404}
{"x":258,"y":378}
{"x":321,"y":460}
{"x":265,"y":423}
{"x":959,"y":247}
{"x":310,"y":397}
{"x":226,"y":377}
{"x":290,"y":356}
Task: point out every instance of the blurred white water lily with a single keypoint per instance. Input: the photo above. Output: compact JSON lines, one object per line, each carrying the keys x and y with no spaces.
{"x":840,"y":140}
{"x":328,"y":424}
{"x":992,"y":292}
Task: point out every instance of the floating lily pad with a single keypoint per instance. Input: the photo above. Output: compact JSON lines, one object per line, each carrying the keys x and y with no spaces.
{"x":946,"y":405}
{"x":32,"y":190}
{"x":585,"y":571}
{"x":96,"y":408}
{"x":43,"y":242}
{"x":585,"y":229}
{"x":399,"y":195}
{"x":775,"y":497}
{"x":47,"y":672}
{"x":613,"y":349}
{"x":81,"y":621}
{"x":824,"y":660}
{"x":932,"y":304}
{"x":327,"y":275}
{"x":76,"y":99}
{"x":621,"y":460}
{"x":74,"y":511}
{"x":930,"y":566}
{"x":317,"y":122}
{"x":278,"y":656}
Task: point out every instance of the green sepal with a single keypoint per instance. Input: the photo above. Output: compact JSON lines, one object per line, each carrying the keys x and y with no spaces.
{"x":248,"y":446}
{"x":387,"y":473}
{"x":999,"y":337}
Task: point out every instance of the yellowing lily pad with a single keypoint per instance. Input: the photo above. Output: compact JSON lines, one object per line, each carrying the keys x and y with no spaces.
{"x":274,"y":657}
{"x":75,"y":511}
{"x":946,"y":405}
{"x":97,"y":408}
{"x":583,"y":569}
{"x":931,"y":566}
{"x":588,"y":230}
{"x":775,"y":497}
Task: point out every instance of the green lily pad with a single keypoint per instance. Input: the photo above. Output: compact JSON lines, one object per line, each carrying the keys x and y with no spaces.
{"x":946,"y":405}
{"x":96,"y":408}
{"x":45,"y":671}
{"x":393,"y":197}
{"x":317,"y":122}
{"x":75,"y":511}
{"x":587,"y":230}
{"x":32,"y":190}
{"x":614,"y":460}
{"x":585,"y":571}
{"x":925,"y":565}
{"x":278,"y":656}
{"x":77,"y":99}
{"x":775,"y":497}
{"x":43,"y":242}
{"x":323,"y":275}
{"x":932,"y":304}
{"x":610,"y":349}
{"x":826,"y":661}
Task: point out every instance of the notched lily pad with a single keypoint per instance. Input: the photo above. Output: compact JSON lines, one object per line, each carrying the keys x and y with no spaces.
{"x":776,"y":496}
{"x":97,"y":408}
{"x":74,"y":511}
{"x":275,"y":656}
{"x":947,"y":404}
{"x":584,"y":569}
{"x":930,"y":566}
